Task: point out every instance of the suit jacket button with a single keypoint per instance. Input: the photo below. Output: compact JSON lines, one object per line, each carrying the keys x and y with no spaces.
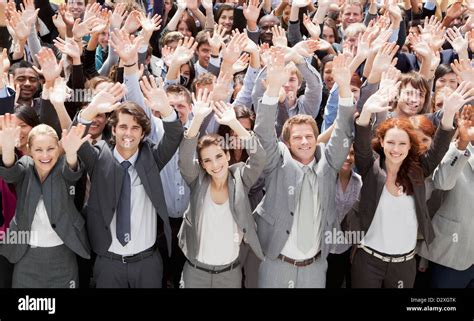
{"x":291,"y":213}
{"x":244,"y":230}
{"x":288,"y":232}
{"x":106,"y":228}
{"x":53,"y":225}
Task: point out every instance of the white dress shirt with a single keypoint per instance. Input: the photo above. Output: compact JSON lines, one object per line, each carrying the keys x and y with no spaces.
{"x":143,"y":223}
{"x":42,"y":234}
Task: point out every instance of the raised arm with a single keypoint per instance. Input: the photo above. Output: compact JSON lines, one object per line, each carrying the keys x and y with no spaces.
{"x":188,"y":165}
{"x":453,"y":163}
{"x":225,"y":115}
{"x":277,"y":76}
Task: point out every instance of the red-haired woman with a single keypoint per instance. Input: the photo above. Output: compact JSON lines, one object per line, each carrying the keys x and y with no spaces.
{"x":392,"y":207}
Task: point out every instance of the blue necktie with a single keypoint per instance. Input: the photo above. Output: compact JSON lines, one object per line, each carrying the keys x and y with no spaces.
{"x":124,"y":207}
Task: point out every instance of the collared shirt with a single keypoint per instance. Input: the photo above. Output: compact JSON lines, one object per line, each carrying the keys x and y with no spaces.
{"x":42,"y":234}
{"x":344,"y":202}
{"x":291,"y":249}
{"x":143,"y":225}
{"x":199,"y":69}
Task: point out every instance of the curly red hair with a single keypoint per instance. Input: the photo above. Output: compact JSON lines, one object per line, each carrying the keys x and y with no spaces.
{"x":411,"y":166}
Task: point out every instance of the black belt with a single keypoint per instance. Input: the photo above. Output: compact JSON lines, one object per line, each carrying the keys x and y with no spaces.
{"x":232,"y":266}
{"x":131,"y":258}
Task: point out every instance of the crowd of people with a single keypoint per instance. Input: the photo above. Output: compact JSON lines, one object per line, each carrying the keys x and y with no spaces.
{"x":230,"y":144}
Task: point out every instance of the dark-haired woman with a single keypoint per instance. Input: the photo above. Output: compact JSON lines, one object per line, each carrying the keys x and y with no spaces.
{"x":219,"y":217}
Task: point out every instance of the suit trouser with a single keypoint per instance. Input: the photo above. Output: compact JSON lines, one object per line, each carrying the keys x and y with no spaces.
{"x":196,"y":278}
{"x":112,"y":273}
{"x":6,"y":272}
{"x":250,"y":264}
{"x":279,"y":274}
{"x":46,"y":267}
{"x":371,"y":272}
{"x":339,"y":269}
{"x":173,"y":266}
{"x":446,"y":277}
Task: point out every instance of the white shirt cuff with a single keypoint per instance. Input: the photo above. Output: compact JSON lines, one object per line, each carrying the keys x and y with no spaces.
{"x":269,"y":100}
{"x":170,"y":118}
{"x":346,"y":101}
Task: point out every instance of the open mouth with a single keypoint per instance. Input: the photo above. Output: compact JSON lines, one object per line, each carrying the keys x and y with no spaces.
{"x":45,"y":161}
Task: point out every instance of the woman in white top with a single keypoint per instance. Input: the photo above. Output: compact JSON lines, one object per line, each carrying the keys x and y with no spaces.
{"x":392,"y":208}
{"x":219,"y":216}
{"x":45,"y":210}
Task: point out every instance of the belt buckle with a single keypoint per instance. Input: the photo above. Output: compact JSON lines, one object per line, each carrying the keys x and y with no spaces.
{"x":125,"y":257}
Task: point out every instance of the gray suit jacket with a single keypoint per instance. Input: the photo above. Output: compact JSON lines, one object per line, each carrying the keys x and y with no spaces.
{"x":453,"y":224}
{"x":242,"y":176}
{"x":283,"y":179}
{"x":106,"y":181}
{"x":58,"y":197}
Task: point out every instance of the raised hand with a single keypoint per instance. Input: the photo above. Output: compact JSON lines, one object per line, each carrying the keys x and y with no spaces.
{"x":341,"y":71}
{"x":463,"y":94}
{"x":184,"y":51}
{"x":390,"y":77}
{"x":464,"y":70}
{"x":224,"y":113}
{"x":50,"y":69}
{"x":382,"y":61}
{"x":202,"y":104}
{"x":4,"y":61}
{"x":313,"y":29}
{"x":217,"y":39}
{"x":59,"y":24}
{"x":59,"y":93}
{"x":104,"y":101}
{"x":133,"y":22}
{"x":71,"y":141}
{"x":126,"y":46}
{"x":379,"y":101}
{"x":68,"y":47}
{"x":9,"y":137}
{"x":92,"y":10}
{"x":279,"y":37}
{"x":277,"y":75}
{"x":231,"y":52}
{"x":241,"y":64}
{"x":252,"y":11}
{"x":457,"y":41}
{"x":155,"y":95}
{"x":21,"y":27}
{"x":28,"y":12}
{"x":118,"y":15}
{"x":149,"y":24}
{"x":222,"y":88}
{"x":207,"y":4}
{"x":80,"y":29}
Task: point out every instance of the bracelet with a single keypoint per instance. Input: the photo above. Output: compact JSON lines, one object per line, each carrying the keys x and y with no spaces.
{"x":130,"y":65}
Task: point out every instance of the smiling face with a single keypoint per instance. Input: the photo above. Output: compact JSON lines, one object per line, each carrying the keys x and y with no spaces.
{"x":227,"y":20}
{"x":351,"y":14}
{"x":215,"y":161}
{"x":28,"y":81}
{"x":291,"y":86}
{"x":349,"y":162}
{"x":449,"y":80}
{"x":76,"y":8}
{"x":396,"y":145}
{"x":411,"y":101}
{"x":327,"y":75}
{"x":44,"y":150}
{"x":128,"y":134}
{"x":302,"y":142}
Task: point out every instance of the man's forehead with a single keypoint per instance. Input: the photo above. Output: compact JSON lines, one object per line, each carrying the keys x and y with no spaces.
{"x":25,"y":72}
{"x":268,"y":21}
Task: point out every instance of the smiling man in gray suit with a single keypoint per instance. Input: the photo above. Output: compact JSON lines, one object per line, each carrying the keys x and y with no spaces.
{"x":126,"y":209}
{"x":300,"y":182}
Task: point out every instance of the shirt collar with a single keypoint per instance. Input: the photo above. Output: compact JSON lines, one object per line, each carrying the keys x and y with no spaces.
{"x":120,"y":159}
